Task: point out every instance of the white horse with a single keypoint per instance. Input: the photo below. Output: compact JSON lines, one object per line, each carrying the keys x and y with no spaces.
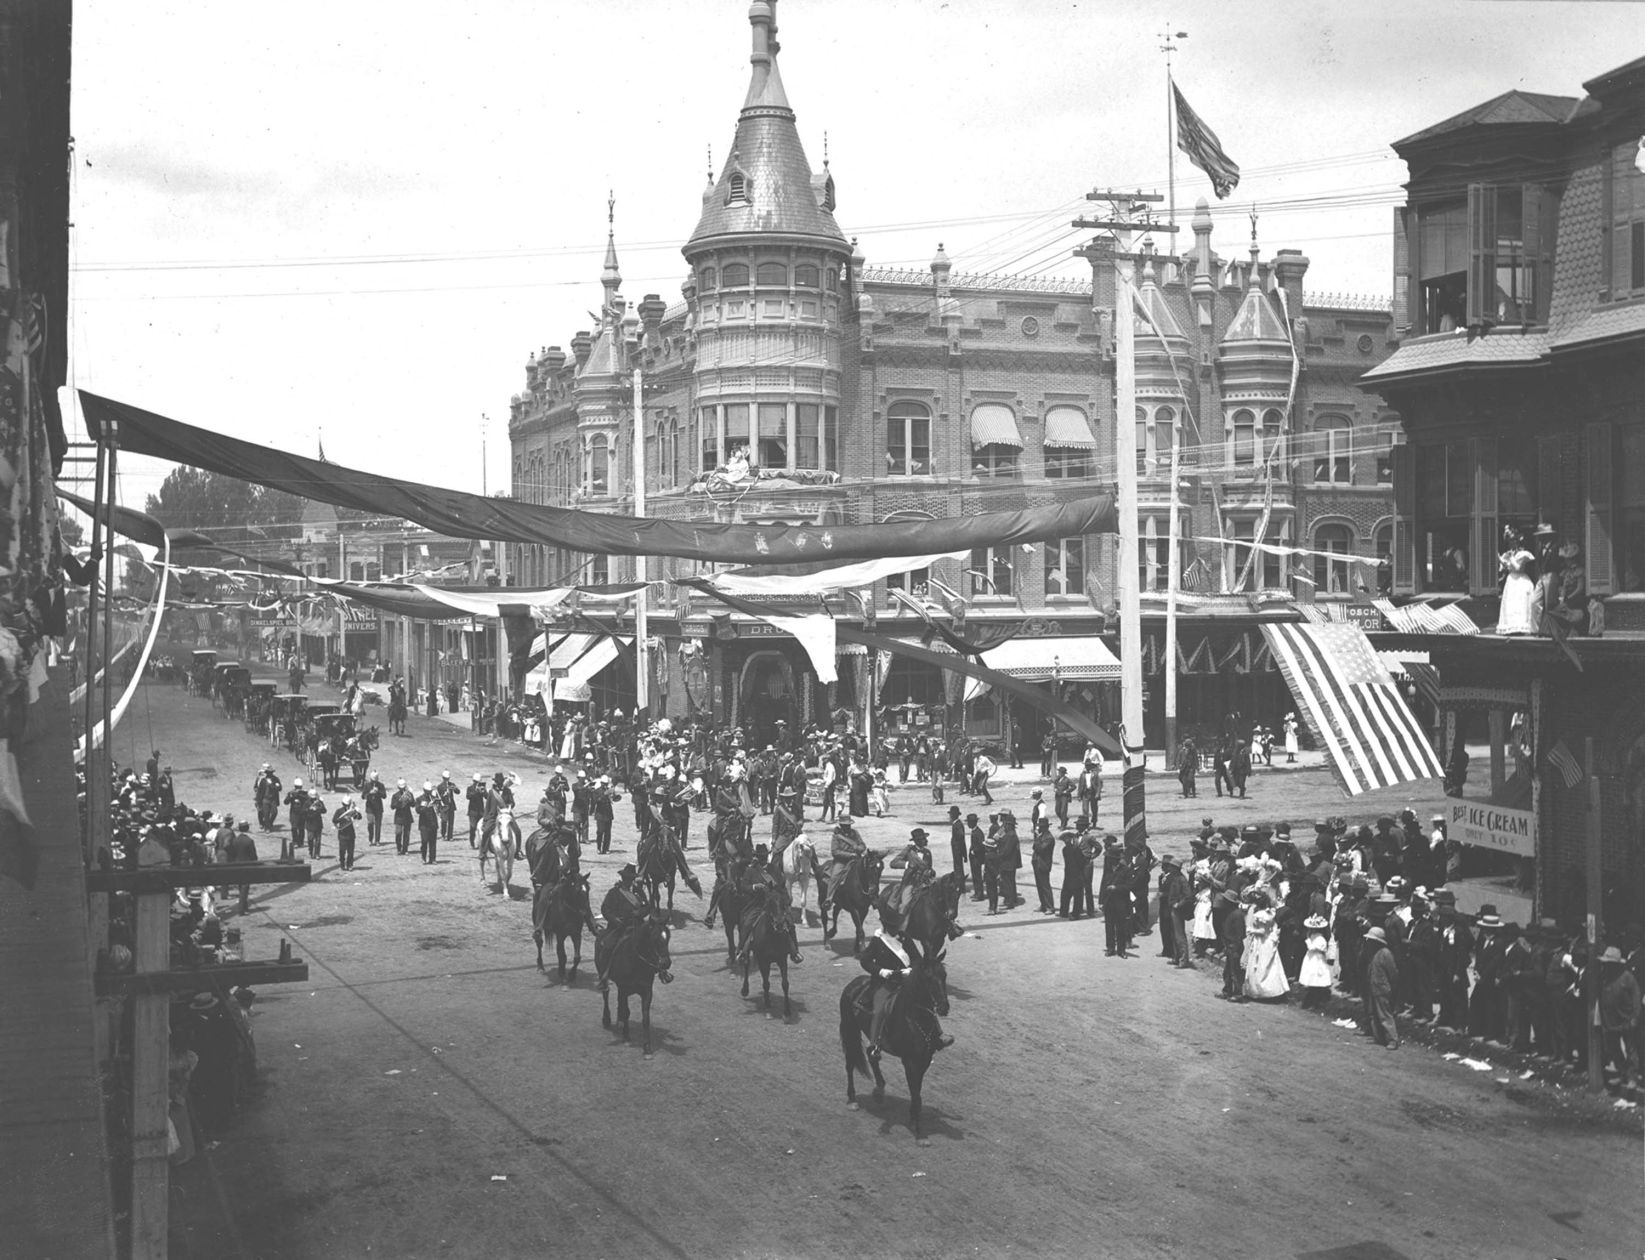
{"x":501,"y":850}
{"x":798,"y":863}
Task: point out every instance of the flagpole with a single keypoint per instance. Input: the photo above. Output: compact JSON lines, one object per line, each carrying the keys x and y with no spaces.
{"x":1171,"y":583}
{"x":1168,"y":47}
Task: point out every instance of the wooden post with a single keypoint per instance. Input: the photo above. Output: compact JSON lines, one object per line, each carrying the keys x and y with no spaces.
{"x":150,"y":1062}
{"x":1596,"y":1042}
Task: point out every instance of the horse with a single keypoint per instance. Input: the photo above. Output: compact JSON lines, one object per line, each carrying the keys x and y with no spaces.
{"x":771,"y":938}
{"x":799,"y":868}
{"x":858,"y":888}
{"x":929,"y":915}
{"x":659,"y":859}
{"x":633,"y":963}
{"x":559,"y":911}
{"x":911,"y":1031}
{"x":501,"y":854}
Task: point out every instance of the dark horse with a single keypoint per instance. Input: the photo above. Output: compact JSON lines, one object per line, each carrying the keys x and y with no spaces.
{"x":659,"y":859}
{"x":559,"y":911}
{"x":769,"y":937}
{"x":911,"y":1032}
{"x":930,"y":913}
{"x":858,"y":888}
{"x":633,"y":962}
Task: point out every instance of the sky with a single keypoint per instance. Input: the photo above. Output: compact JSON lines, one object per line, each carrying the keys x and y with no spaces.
{"x":352,"y":222}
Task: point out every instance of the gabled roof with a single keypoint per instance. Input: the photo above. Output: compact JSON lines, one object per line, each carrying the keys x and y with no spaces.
{"x":1513,"y":108}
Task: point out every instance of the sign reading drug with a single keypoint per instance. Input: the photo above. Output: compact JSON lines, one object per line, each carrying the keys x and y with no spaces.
{"x":1494,"y":827}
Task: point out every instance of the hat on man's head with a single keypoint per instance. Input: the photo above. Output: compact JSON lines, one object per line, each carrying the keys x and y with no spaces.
{"x":1376,"y":934}
{"x":1443,"y":897}
{"x":1611,"y":955}
{"x":1488,"y":917}
{"x":953,"y":811}
{"x":1439,"y":818}
{"x":626,"y":870}
{"x":1282,"y":829}
{"x":918,"y":834}
{"x":970,"y":818}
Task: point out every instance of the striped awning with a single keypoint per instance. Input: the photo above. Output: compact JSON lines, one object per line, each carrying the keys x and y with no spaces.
{"x":1066,"y":427}
{"x":994,"y":424}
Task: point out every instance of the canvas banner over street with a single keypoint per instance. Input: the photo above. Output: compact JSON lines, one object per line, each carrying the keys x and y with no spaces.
{"x":459,"y":514}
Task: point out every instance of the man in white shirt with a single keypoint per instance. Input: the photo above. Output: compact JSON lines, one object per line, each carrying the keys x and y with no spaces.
{"x":982,"y":769}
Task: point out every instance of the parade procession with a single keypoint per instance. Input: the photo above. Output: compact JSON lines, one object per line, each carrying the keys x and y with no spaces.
{"x":1077,"y":692}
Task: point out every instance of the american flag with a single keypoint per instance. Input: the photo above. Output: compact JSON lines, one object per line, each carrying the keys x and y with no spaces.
{"x":1351,"y":706}
{"x":1560,"y":758}
{"x":1203,"y":148}
{"x":1197,"y":576}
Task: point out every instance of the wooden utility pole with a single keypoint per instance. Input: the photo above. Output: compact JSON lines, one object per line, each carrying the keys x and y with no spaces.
{"x":1595,"y":925}
{"x":1130,"y":212}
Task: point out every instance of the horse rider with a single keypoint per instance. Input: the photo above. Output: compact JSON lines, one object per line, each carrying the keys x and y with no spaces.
{"x":887,"y":959}
{"x":496,"y":801}
{"x":845,"y":846}
{"x":624,"y":906}
{"x":915,"y":862}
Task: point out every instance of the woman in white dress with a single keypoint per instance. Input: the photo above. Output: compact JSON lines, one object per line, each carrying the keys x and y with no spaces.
{"x":1264,"y":972}
{"x":1205,"y":929}
{"x":1291,"y":737}
{"x":1315,"y":976}
{"x":1515,"y":614}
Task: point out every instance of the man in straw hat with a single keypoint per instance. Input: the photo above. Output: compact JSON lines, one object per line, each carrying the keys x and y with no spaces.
{"x":1381,"y":983}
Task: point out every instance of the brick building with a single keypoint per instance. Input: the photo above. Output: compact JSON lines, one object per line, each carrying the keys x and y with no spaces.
{"x":1520,"y":288}
{"x":796,"y":383}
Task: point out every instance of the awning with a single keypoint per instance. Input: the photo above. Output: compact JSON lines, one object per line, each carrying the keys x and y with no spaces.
{"x":1083,"y":659}
{"x":568,"y":650}
{"x":580,"y":673}
{"x":1066,"y":427}
{"x":1396,"y":661}
{"x":995,"y":424}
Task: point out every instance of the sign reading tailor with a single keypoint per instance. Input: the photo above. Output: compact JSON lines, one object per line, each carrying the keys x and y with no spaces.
{"x":1494,"y":827}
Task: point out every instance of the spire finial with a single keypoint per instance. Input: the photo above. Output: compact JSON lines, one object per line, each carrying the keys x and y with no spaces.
{"x":711,"y":161}
{"x":825,"y":150}
{"x":610,"y":211}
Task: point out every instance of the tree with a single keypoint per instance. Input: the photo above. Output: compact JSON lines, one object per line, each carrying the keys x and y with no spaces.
{"x":190,"y":498}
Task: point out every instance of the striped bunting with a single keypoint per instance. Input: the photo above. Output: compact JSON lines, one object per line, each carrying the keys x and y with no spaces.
{"x":1351,"y":706}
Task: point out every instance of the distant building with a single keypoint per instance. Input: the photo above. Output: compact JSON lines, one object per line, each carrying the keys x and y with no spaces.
{"x":1520,"y":291}
{"x":796,"y":383}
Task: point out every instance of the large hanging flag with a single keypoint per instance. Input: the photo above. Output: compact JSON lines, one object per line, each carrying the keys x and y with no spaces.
{"x":1203,"y":148}
{"x":1351,"y":706}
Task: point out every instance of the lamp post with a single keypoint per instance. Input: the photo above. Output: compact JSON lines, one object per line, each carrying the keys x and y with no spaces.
{"x":642,"y":657}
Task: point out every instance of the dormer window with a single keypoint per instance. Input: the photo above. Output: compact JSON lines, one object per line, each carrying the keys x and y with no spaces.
{"x":737,"y":190}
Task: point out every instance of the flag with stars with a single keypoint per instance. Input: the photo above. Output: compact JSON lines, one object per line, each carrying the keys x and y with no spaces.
{"x":1203,"y":148}
{"x":1351,"y":706}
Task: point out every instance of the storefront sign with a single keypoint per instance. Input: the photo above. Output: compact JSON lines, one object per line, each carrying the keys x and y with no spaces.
{"x":1367,"y":617}
{"x":692,"y":630}
{"x":760,"y":630}
{"x":1494,"y":827}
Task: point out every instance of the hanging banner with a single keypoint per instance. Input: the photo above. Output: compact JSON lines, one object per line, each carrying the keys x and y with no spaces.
{"x":461,"y":515}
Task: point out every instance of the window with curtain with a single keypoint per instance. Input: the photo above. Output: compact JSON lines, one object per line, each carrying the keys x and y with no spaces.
{"x":807,"y":436}
{"x":1332,"y":575}
{"x":1245,"y":437}
{"x":1333,"y":449}
{"x":1065,"y":568}
{"x":708,"y":439}
{"x":907,"y":439}
{"x":990,"y":572}
{"x":773,"y":446}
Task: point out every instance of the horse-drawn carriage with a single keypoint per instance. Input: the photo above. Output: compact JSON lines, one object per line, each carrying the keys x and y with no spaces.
{"x":259,"y":702}
{"x":337,"y":745}
{"x":202,"y":671}
{"x":231,"y":684}
{"x":286,"y":718}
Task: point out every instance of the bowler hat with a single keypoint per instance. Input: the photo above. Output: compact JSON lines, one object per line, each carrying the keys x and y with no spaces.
{"x":918,"y":834}
{"x":626,"y":869}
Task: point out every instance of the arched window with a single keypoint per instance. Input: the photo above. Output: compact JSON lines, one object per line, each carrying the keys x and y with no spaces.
{"x":1245,"y":437}
{"x":1164,"y":434}
{"x":1331,"y":575}
{"x":805,"y":276}
{"x":1333,"y":450}
{"x":1273,"y":427}
{"x":734,"y":276}
{"x":771,"y":273}
{"x":1142,"y":439}
{"x":599,"y":466}
{"x":1069,"y":442}
{"x":908,"y":440}
{"x":705,"y":280}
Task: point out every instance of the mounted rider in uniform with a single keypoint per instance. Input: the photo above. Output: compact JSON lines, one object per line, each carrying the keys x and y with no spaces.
{"x":888,"y":959}
{"x":844,"y":847}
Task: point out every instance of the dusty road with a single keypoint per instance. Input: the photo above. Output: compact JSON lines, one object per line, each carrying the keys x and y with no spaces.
{"x":1091,"y":1106}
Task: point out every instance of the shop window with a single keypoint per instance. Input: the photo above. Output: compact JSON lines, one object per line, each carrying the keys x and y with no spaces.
{"x":908,"y":440}
{"x":912,"y":682}
{"x":990,"y":572}
{"x":1333,"y":450}
{"x":1065,"y":568}
{"x":1332,"y":576}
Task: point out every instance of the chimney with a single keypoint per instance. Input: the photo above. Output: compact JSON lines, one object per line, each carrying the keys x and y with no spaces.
{"x":581,"y":344}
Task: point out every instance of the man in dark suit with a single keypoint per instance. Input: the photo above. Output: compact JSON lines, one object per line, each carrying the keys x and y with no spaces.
{"x":978,"y":855}
{"x":404,"y":805}
{"x":476,"y":796}
{"x":375,"y":794}
{"x":242,"y":848}
{"x":956,"y":842}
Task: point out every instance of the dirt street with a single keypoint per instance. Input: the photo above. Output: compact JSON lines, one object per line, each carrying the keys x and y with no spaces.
{"x":430,"y":1093}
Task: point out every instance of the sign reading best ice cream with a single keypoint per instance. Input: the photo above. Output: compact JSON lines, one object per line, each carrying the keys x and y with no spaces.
{"x":1494,"y":827}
